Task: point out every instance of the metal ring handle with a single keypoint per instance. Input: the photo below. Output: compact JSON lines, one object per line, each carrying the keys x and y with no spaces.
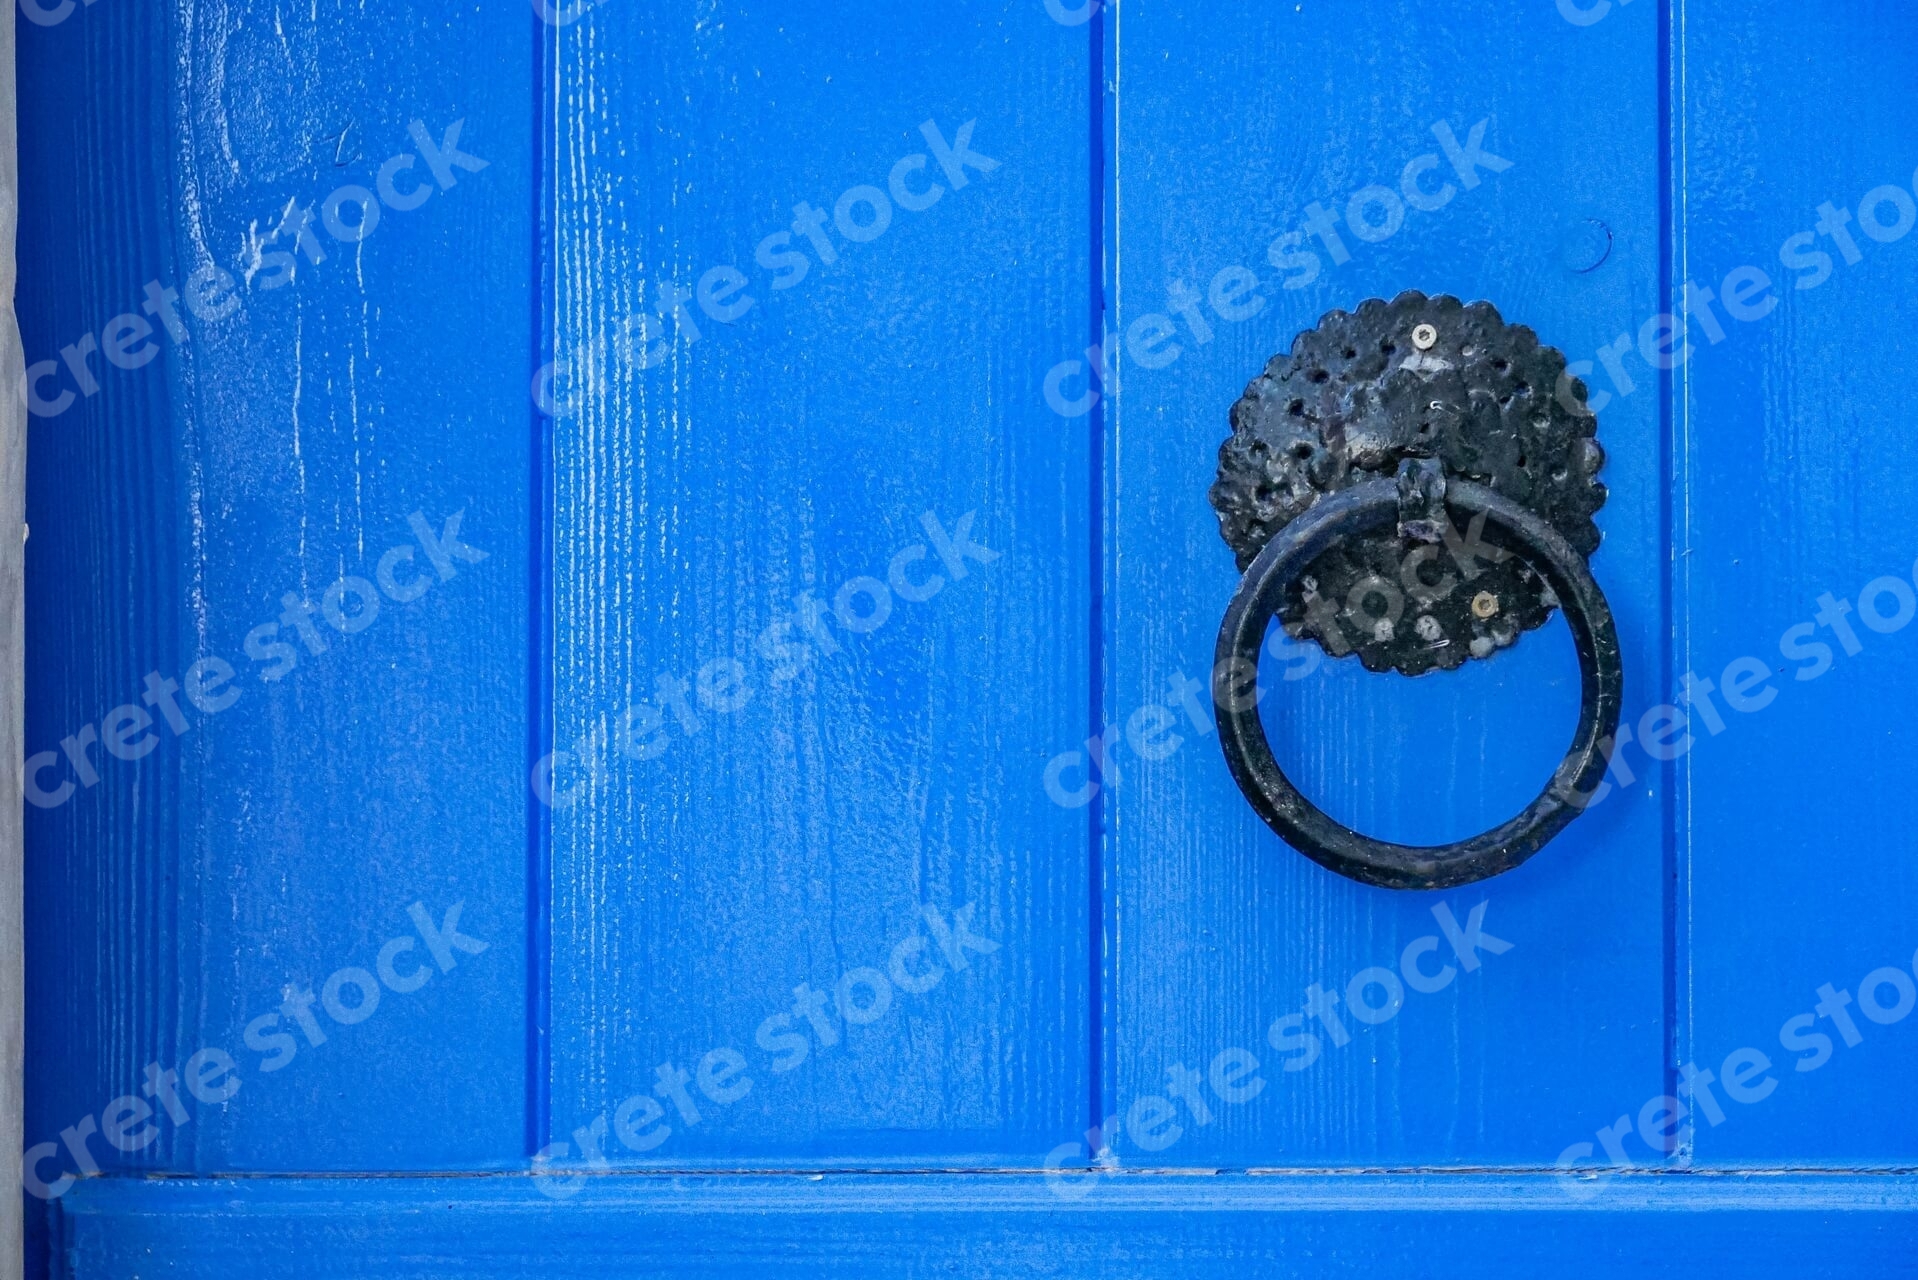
{"x":1301,"y":824}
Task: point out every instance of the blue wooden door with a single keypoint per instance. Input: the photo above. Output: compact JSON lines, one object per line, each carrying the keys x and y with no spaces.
{"x":621,"y":600}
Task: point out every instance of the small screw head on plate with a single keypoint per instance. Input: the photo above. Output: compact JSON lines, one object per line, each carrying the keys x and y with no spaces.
{"x":1484,"y":605}
{"x":1424,"y":337}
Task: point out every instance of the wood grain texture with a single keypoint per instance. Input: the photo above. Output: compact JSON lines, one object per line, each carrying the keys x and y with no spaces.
{"x":1414,"y":1225}
{"x":794,"y":450}
{"x":715,"y":851}
{"x":1220,"y":929}
{"x":191,"y":890}
{"x":1795,"y":481}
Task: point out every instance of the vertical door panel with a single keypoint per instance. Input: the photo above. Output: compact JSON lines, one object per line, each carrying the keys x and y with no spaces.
{"x":1227,"y":131}
{"x":793,"y":821}
{"x":1798,"y":485}
{"x":281,"y":445}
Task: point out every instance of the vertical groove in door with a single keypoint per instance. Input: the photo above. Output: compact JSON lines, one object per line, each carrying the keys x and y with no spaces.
{"x":1095,"y":667}
{"x":1678,"y":883}
{"x":1669,"y":809}
{"x":539,"y":827}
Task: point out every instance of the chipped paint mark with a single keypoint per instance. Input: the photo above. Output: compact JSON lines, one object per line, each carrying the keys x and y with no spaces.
{"x":340,"y":158}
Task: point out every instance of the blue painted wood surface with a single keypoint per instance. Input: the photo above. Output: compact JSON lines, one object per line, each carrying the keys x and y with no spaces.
{"x":1791,"y":487}
{"x":1205,"y":898}
{"x":876,"y":757}
{"x":275,"y":450}
{"x":1355,"y":1225}
{"x":731,"y":336}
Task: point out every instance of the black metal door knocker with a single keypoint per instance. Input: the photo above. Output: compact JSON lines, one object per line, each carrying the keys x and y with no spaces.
{"x":1414,"y":483}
